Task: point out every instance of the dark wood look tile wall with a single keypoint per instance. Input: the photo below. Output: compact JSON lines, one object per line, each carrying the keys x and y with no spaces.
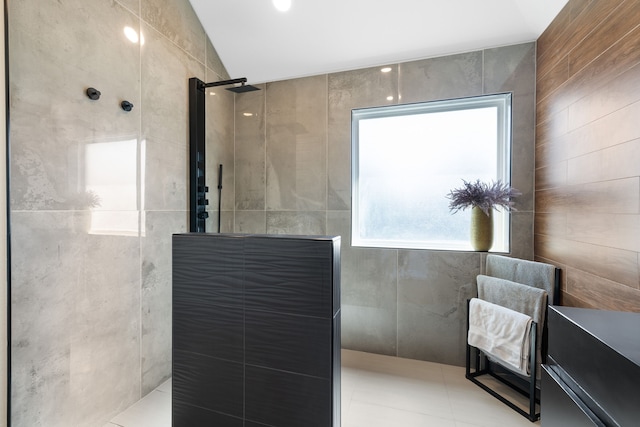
{"x":587,"y":211}
{"x":256,"y":330}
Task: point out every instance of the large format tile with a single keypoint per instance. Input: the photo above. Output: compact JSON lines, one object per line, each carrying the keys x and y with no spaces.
{"x":369,"y":277}
{"x":288,"y":343}
{"x":433,"y":288}
{"x":372,"y":329}
{"x":419,"y":395}
{"x":165,"y":73}
{"x":379,"y":390}
{"x":156,"y":304}
{"x":166,"y":70}
{"x":105,"y":338}
{"x":339,"y":223}
{"x":250,"y":154}
{"x":84,"y":292}
{"x":165,"y":177}
{"x":45,"y":273}
{"x":252,"y":222}
{"x":522,"y":235}
{"x":512,"y":69}
{"x":73,"y":330}
{"x":362,"y":88}
{"x":227,"y":219}
{"x":369,"y":297}
{"x":214,"y":63}
{"x":48,"y":158}
{"x":296,"y":222}
{"x":209,"y":383}
{"x":132,"y":5}
{"x":363,"y":414}
{"x":177,"y":21}
{"x":368,"y":87}
{"x":297,"y":144}
{"x":154,"y":410}
{"x":283,"y":398}
{"x":445,"y":77}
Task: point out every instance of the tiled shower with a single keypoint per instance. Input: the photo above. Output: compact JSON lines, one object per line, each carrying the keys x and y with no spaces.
{"x":96,"y":193}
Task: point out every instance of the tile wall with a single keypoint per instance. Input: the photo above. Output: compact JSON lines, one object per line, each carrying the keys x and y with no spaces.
{"x":293,"y":175}
{"x":587,"y":151}
{"x":91,"y":282}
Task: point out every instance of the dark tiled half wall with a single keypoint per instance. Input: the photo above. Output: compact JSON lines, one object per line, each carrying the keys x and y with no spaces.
{"x":256,"y":330}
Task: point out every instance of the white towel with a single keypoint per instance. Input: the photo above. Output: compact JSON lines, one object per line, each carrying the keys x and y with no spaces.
{"x":500,"y":332}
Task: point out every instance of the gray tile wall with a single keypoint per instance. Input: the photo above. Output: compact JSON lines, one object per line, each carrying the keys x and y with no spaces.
{"x":91,"y":313}
{"x":293,"y":175}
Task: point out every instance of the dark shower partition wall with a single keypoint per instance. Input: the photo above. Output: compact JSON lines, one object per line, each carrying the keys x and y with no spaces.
{"x":256,"y":330}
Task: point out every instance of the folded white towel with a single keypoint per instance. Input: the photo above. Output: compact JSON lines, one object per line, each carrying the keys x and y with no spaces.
{"x":500,"y":332}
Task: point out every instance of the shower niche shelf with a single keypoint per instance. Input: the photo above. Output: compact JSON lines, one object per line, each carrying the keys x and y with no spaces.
{"x":256,"y":330}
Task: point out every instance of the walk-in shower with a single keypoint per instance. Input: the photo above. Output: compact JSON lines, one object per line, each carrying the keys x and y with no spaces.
{"x":198,"y":189}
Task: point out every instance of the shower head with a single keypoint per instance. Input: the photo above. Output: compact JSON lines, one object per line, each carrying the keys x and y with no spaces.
{"x":237,"y":89}
{"x":243,"y":88}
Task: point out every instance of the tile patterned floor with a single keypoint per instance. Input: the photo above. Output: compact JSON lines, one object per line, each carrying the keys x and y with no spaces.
{"x":378,"y":391}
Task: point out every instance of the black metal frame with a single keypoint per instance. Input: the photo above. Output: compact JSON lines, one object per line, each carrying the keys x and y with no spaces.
{"x":510,"y":378}
{"x":197,"y":167}
{"x":197,"y":188}
{"x":7,"y":345}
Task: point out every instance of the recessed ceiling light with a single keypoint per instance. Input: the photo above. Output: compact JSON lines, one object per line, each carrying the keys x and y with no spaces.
{"x":389,"y":98}
{"x":386,"y":69}
{"x":247,"y":114}
{"x":282,"y":5}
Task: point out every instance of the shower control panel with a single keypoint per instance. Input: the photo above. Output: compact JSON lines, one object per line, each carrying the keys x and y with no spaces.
{"x":202,"y":202}
{"x":201,"y":195}
{"x":197,"y":183}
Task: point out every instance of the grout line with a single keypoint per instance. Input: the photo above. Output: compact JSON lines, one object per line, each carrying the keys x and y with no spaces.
{"x":326,"y":158}
{"x":397,"y":303}
{"x":140,"y":202}
{"x":264,"y":168}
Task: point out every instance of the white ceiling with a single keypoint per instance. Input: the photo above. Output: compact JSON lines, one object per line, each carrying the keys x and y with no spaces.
{"x":256,"y":41}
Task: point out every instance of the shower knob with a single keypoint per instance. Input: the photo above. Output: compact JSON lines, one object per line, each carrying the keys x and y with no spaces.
{"x":126,"y":105}
{"x":93,"y":93}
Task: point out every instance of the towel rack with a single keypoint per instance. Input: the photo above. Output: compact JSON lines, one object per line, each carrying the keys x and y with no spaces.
{"x":483,"y":367}
{"x":518,"y":276}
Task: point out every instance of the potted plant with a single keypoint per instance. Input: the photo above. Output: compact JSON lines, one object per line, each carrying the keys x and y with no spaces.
{"x":482,"y":198}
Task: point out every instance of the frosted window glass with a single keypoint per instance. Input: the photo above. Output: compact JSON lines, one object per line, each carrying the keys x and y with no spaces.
{"x":407,"y":158}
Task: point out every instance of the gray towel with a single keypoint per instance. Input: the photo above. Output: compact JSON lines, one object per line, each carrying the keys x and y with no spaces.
{"x":518,"y":297}
{"x":530,"y":273}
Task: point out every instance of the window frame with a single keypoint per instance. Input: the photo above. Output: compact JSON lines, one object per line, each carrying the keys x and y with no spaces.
{"x":502,"y":219}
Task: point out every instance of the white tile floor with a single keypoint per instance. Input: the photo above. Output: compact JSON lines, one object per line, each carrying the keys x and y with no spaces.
{"x":378,"y":391}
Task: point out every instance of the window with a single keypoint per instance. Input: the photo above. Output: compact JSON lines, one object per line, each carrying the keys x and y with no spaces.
{"x":406,"y":159}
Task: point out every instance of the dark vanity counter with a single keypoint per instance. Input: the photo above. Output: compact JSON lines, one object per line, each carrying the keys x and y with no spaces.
{"x":256,"y":330}
{"x":593,"y":371}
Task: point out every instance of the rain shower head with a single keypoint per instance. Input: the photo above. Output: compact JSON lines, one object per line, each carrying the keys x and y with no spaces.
{"x":243,"y":87}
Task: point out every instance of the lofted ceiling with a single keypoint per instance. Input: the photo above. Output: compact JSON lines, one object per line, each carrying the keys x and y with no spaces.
{"x":256,"y":41}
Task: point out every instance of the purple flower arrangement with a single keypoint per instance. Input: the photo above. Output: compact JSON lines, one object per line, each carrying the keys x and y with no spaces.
{"x":485,"y":196}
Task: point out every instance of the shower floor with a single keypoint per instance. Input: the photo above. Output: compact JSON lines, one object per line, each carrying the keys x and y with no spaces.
{"x":378,"y":391}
